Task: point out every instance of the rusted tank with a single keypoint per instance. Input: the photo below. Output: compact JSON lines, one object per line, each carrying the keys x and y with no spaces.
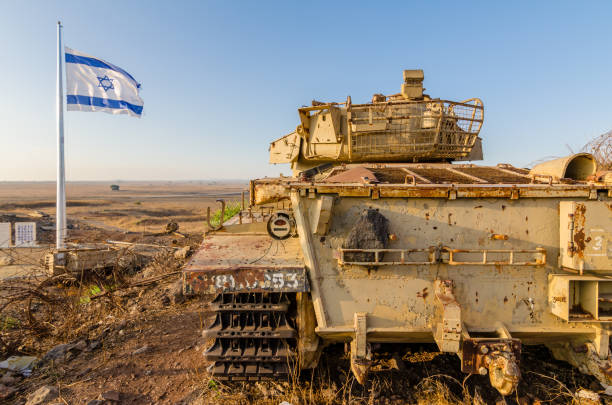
{"x":378,"y":237}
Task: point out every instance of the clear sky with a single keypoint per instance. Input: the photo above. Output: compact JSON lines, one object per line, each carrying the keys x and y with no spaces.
{"x":222,"y":79}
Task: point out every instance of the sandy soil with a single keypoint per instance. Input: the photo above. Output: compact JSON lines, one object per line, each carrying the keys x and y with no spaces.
{"x":137,"y":206}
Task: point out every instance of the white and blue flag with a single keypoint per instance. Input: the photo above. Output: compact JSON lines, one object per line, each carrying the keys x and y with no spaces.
{"x":95,"y":85}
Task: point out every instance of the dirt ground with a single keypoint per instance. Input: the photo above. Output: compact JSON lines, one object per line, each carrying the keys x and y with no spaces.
{"x":143,"y":207}
{"x":130,"y":338}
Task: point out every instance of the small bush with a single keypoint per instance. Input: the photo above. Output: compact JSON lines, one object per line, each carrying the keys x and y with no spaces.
{"x":232,"y":208}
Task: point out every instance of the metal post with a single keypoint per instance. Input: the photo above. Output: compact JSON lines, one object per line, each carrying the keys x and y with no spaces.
{"x":60,"y":214}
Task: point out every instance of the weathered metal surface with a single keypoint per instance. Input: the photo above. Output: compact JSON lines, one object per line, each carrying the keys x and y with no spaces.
{"x":245,"y":279}
{"x":576,"y":298}
{"x":361,"y":352}
{"x":427,"y":181}
{"x":254,"y":336}
{"x":438,"y":255}
{"x":474,"y":351}
{"x":511,"y":290}
{"x":81,"y":261}
{"x":391,"y":128}
{"x":224,"y":250}
{"x":497,"y":357}
{"x":579,"y":166}
{"x":228,"y":262}
{"x":586,"y":235}
{"x":447,"y":320}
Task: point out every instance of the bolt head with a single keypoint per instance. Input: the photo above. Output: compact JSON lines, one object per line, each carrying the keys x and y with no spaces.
{"x":484,"y":349}
{"x":482,"y":371}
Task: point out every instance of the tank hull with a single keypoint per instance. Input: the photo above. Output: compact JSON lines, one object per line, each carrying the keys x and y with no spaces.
{"x":479,"y":266}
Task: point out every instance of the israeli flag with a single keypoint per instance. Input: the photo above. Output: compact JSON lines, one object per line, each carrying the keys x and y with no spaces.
{"x":95,"y":85}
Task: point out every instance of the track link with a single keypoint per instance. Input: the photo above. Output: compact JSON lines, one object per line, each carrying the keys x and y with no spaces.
{"x":254,"y":336}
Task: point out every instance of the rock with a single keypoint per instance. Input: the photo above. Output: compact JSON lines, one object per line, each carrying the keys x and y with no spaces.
{"x":65,"y":352}
{"x":80,"y":346}
{"x":43,"y":395}
{"x":8,"y":379}
{"x":69,"y":356}
{"x":397,"y":363}
{"x":94,"y":345}
{"x":84,"y":372}
{"x":112,"y":395}
{"x":587,"y":397}
{"x":176,"y":292}
{"x":142,"y":350}
{"x":371,"y":231}
{"x":6,"y":392}
{"x":20,"y":364}
{"x":182,"y":253}
{"x":57,"y":353}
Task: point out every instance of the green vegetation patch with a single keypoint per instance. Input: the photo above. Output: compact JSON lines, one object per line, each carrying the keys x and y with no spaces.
{"x":231,"y":208}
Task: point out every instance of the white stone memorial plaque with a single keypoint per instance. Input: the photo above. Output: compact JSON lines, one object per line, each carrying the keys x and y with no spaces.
{"x":25,"y":234}
{"x":5,"y":234}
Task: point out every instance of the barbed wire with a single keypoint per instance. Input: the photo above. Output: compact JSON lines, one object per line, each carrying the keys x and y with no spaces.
{"x":601,"y":149}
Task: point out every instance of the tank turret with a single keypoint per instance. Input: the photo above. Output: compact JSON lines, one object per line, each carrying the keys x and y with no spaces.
{"x":408,"y":127}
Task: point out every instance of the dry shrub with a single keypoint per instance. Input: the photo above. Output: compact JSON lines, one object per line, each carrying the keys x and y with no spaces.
{"x":41,"y":310}
{"x":435,"y":390}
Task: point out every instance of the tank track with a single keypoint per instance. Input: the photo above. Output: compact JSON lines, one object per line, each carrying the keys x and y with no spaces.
{"x":254,"y":336}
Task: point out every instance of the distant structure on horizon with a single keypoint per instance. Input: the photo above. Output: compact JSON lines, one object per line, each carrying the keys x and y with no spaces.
{"x":114,"y":187}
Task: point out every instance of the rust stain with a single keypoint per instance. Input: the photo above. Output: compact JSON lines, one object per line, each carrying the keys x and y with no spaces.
{"x":579,"y":236}
{"x":503,"y":207}
{"x":423,"y":294}
{"x":427,"y":216}
{"x":505,"y":299}
{"x":579,"y":242}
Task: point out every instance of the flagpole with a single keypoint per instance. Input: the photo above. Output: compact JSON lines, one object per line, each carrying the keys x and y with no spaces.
{"x":60,"y":216}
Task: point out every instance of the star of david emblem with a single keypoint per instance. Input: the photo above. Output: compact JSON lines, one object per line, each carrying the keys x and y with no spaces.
{"x":106,"y":83}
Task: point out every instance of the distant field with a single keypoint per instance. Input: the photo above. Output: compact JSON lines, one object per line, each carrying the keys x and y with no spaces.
{"x":137,"y":206}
